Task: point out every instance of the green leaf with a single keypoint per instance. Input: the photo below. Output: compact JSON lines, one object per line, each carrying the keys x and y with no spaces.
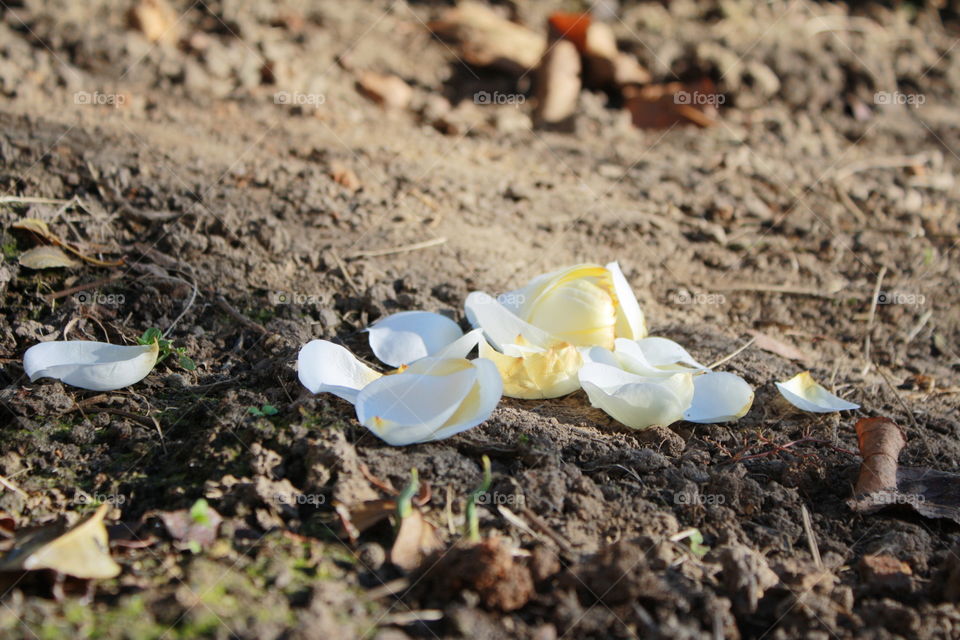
{"x":199,"y":512}
{"x":269,"y":410}
{"x":150,"y":336}
{"x":473,"y":521}
{"x":187,"y":363}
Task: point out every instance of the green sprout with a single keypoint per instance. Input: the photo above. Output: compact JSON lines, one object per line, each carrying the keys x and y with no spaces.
{"x":695,"y":539}
{"x":405,"y":499}
{"x":264,"y":411}
{"x":200,"y":512}
{"x":153,"y":334}
{"x":473,"y":522}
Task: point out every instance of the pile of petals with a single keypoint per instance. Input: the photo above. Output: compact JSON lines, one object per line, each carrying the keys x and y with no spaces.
{"x":582,"y":327}
{"x":579,"y":327}
{"x":434,"y":392}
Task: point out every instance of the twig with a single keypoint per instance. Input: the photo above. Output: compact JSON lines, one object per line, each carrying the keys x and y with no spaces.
{"x":901,"y":402}
{"x":409,"y":617}
{"x":811,"y":538}
{"x":891,"y":162}
{"x":777,"y":448}
{"x":6,"y":199}
{"x":426,"y":244}
{"x":9,"y":485}
{"x":785,"y":289}
{"x":734,"y":354}
{"x":921,"y":323}
{"x":50,"y":297}
{"x":239,"y":317}
{"x":873,"y":312}
{"x":545,"y":528}
{"x":850,"y":204}
{"x":343,"y":270}
{"x":193,"y":298}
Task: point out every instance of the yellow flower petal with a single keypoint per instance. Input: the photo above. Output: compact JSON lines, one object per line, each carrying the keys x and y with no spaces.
{"x":547,"y":374}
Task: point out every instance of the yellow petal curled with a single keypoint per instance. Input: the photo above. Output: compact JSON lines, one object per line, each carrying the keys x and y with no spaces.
{"x":550,"y":373}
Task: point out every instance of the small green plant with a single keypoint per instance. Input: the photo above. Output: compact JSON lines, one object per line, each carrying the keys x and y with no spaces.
{"x":405,"y":499}
{"x":473,"y":521}
{"x":264,"y":411}
{"x":200,"y":512}
{"x":153,"y":334}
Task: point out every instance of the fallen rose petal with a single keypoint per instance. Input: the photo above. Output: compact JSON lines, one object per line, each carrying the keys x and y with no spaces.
{"x":803,"y":392}
{"x":97,"y":366}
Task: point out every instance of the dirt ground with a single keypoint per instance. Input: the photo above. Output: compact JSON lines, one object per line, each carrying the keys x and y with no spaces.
{"x":781,"y":219}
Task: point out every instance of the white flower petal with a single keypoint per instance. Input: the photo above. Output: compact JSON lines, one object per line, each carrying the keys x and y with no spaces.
{"x":499,"y":325}
{"x":461,"y":347}
{"x":632,"y":358}
{"x":803,"y":392}
{"x":630,"y":320}
{"x":636,"y":401}
{"x":719,"y":396}
{"x":403,"y":337}
{"x":664,"y":353}
{"x":411,"y":407}
{"x":97,"y":366}
{"x":479,"y":403}
{"x":325,"y":367}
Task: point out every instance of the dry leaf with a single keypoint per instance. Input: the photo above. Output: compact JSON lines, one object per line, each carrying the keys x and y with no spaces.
{"x":156,"y":19}
{"x":46,"y":257}
{"x":880,"y":441}
{"x":185,"y":525}
{"x":35,"y":225}
{"x":661,"y":106}
{"x":81,"y":551}
{"x":484,"y":38}
{"x":782,"y":349}
{"x":558,"y":86}
{"x":571,"y":26}
{"x":386,"y":90}
{"x":415,"y":539}
{"x":50,"y":258}
{"x":883,"y":483}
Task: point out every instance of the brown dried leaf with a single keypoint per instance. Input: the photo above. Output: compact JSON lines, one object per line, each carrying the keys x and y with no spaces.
{"x":183,"y":527}
{"x":415,"y":539}
{"x":46,"y":257}
{"x":777,"y":347}
{"x":558,"y":85}
{"x":36,"y":226}
{"x":484,"y":38}
{"x":80,"y":551}
{"x":156,"y":19}
{"x":880,"y":441}
{"x":386,"y":90}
